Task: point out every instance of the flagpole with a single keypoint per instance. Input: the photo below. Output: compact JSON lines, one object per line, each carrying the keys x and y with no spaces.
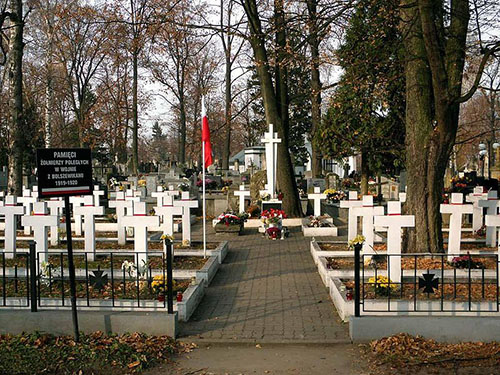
{"x":203,"y":183}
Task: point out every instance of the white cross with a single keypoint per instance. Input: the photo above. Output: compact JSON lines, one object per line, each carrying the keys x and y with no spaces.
{"x":477,"y":212}
{"x":167,"y":211}
{"x":492,"y":204}
{"x":317,"y":197}
{"x":55,"y":206}
{"x":367,"y":211}
{"x":41,"y":221}
{"x":271,"y":141}
{"x":456,"y":208}
{"x":186,"y":204}
{"x":394,"y":222}
{"x":159,"y":194}
{"x":34,"y":191}
{"x":242,"y":193}
{"x":10,"y":210}
{"x":172,"y":192}
{"x":352,"y":224}
{"x":122,"y":208}
{"x":76,"y":202}
{"x":140,"y":221}
{"x":27,"y":201}
{"x":89,"y":211}
{"x":97,"y":193}
{"x":133,"y":195}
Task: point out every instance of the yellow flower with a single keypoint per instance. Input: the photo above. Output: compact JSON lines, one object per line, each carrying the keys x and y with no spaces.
{"x":382,"y":282}
{"x":167,"y":237}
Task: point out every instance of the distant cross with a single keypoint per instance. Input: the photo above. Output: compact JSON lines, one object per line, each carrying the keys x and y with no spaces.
{"x":77,"y":201}
{"x":89,"y":211}
{"x":159,"y":194}
{"x":491,"y":203}
{"x":167,"y":211}
{"x":55,"y":206}
{"x":367,"y":211}
{"x":271,"y":141}
{"x":317,"y":196}
{"x":456,"y":208}
{"x":122,"y":208}
{"x":10,"y":210}
{"x":97,"y":194}
{"x":27,"y":201}
{"x":477,"y":212}
{"x":241,"y":194}
{"x":352,"y":225}
{"x":187,"y":204}
{"x":41,"y":221}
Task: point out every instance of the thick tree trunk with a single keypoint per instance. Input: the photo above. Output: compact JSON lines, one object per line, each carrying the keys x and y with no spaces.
{"x":226,"y":152}
{"x":135,"y":114}
{"x":16,"y":146}
{"x":314,"y":42}
{"x":273,"y":109}
{"x":182,"y":130}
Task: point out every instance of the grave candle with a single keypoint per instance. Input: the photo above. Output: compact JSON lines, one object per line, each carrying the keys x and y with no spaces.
{"x":89,"y":211}
{"x":10,"y":210}
{"x":367,"y":211}
{"x":41,"y":221}
{"x":352,"y":224}
{"x":394,"y":222}
{"x":456,"y":208}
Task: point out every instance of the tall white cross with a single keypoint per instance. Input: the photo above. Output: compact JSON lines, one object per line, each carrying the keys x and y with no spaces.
{"x":122,"y":207}
{"x":394,"y":222}
{"x":172,"y":192}
{"x":159,"y":194}
{"x":367,"y":211}
{"x":41,"y":221}
{"x":89,"y":211}
{"x":491,"y":203}
{"x":140,"y":221}
{"x":27,"y":201}
{"x":97,"y":194}
{"x":317,"y":196}
{"x":11,"y":210}
{"x":77,"y":201}
{"x":271,"y":141}
{"x":477,"y":212}
{"x":456,"y":208}
{"x":55,"y":206}
{"x":352,"y":225}
{"x":167,"y":211}
{"x":186,"y":204}
{"x":242,"y":193}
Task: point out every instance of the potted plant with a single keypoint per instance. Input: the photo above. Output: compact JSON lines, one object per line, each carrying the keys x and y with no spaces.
{"x":159,"y":286}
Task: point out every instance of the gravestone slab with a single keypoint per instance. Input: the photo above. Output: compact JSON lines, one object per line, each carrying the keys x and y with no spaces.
{"x":316,"y":182}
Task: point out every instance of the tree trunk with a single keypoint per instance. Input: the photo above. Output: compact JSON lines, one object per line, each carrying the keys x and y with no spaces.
{"x":226,"y":152}
{"x":182,"y":130}
{"x":365,"y":174}
{"x":273,"y":108}
{"x":16,"y":146}
{"x":314,"y":42}
{"x":135,"y":115}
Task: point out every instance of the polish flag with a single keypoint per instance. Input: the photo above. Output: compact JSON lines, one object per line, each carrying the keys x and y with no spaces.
{"x":205,"y":134}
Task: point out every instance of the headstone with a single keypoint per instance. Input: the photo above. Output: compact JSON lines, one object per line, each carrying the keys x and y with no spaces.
{"x":122,"y":207}
{"x":271,"y":141}
{"x":477,"y":212}
{"x":352,"y":225}
{"x":10,"y":210}
{"x":55,"y":206}
{"x":186,"y":204}
{"x":367,"y":211}
{"x":316,"y":183}
{"x":166,"y":210}
{"x":89,"y":211}
{"x":97,"y":195}
{"x":317,"y":196}
{"x":140,"y":221}
{"x":491,"y":203}
{"x":242,"y":193}
{"x":456,"y":208}
{"x":41,"y":221}
{"x":27,"y":201}
{"x":394,"y":222}
{"x":151,"y":183}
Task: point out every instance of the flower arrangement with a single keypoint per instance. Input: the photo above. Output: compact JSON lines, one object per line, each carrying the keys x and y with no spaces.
{"x":316,"y":222}
{"x":227,"y":183}
{"x":466,"y":261}
{"x":382,"y":284}
{"x":159,"y":285}
{"x":48,"y":271}
{"x":358,"y":240}
{"x":253,"y":210}
{"x":273,"y":233}
{"x":229,"y":218}
{"x":334,"y":196}
{"x":183,"y":186}
{"x":272,"y":216}
{"x":225,"y":189}
{"x":265,"y":197}
{"x":481,"y":232}
{"x":167,"y":237}
{"x":280,"y":195}
{"x":209,"y":184}
{"x":141,"y":183}
{"x":130,"y":268}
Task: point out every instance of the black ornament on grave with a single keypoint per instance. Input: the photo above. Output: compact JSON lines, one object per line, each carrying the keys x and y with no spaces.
{"x":99,"y":279}
{"x":429,"y":282}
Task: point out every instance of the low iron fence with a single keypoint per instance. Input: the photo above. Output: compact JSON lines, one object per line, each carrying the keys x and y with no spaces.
{"x":426,"y":283}
{"x":106,"y":279}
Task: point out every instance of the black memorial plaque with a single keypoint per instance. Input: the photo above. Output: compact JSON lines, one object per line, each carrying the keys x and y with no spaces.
{"x":64,"y":172}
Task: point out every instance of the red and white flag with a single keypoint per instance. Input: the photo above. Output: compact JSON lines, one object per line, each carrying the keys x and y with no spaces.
{"x":205,"y":134}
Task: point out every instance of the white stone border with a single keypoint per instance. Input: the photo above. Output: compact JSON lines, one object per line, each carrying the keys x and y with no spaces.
{"x":318,"y":232}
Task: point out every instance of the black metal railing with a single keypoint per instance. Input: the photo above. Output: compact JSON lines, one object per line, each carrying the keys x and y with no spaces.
{"x":103,"y":279}
{"x":427,"y":283}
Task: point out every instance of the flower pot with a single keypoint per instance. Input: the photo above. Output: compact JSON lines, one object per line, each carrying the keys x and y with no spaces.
{"x":161,"y":297}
